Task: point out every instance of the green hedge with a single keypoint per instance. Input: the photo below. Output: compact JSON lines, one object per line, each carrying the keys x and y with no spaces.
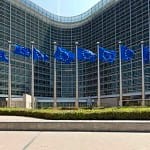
{"x":127,"y":113}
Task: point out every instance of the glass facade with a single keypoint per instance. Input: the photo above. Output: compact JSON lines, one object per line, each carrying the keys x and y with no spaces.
{"x":108,"y":22}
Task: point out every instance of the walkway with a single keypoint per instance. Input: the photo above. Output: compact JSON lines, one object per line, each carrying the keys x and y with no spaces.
{"x":16,"y":140}
{"x":37,"y":140}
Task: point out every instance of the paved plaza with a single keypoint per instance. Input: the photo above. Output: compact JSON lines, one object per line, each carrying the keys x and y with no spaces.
{"x":37,"y":140}
{"x":20,"y":140}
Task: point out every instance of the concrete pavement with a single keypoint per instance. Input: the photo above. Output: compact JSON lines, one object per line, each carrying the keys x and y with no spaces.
{"x":25,"y":140}
{"x":37,"y":140}
{"x":16,"y":123}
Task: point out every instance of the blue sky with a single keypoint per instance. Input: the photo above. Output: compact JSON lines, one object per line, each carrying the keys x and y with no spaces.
{"x":66,"y":7}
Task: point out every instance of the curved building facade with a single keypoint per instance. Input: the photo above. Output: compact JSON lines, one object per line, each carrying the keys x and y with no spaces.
{"x":108,"y":22}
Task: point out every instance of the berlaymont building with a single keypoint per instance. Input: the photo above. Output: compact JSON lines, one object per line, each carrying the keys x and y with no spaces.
{"x":108,"y":22}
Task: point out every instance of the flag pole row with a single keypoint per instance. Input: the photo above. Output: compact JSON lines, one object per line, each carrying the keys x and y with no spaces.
{"x":65,"y":56}
{"x":36,"y":55}
{"x":105,"y":55}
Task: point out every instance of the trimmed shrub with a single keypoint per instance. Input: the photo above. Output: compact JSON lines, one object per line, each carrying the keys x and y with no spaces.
{"x":124,"y":113}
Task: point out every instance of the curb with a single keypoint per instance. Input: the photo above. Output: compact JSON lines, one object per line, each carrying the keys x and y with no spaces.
{"x":78,"y":125}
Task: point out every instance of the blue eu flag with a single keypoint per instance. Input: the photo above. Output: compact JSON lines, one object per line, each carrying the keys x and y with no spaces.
{"x":126,"y":53}
{"x":63,"y":55}
{"x":86,"y":55}
{"x":106,"y":55}
{"x":146,"y":55}
{"x":3,"y":58}
{"x":20,"y":50}
{"x":46,"y":58}
{"x":37,"y":55}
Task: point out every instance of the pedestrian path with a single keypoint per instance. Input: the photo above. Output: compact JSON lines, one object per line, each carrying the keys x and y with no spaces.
{"x":19,"y":119}
{"x":25,"y":140}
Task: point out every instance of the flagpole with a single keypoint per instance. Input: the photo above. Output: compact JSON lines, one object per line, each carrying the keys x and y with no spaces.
{"x":9,"y":76}
{"x":32,"y":84}
{"x":143,"y":83}
{"x":55,"y":94}
{"x":120,"y":73}
{"x":98,"y":78}
{"x":77,"y":94}
{"x":9,"y":66}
